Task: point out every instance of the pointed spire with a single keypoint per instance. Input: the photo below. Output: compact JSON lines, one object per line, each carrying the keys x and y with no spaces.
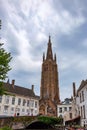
{"x":49,"y":50}
{"x":49,"y":39}
{"x":43,"y":56}
{"x":55,"y":57}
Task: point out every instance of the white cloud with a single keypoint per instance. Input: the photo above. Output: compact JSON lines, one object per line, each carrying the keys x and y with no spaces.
{"x":68,"y":23}
{"x":40,"y":37}
{"x":44,"y":16}
{"x":24,"y":58}
{"x":73,"y":60}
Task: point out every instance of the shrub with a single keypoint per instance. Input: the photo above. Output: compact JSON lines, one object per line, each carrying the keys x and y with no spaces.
{"x":50,"y":120}
{"x":5,"y":128}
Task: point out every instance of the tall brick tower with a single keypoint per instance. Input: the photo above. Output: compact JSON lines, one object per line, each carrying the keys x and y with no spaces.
{"x":49,"y":90}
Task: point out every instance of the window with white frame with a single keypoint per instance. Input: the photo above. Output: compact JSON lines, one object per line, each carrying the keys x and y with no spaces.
{"x":28,"y":112}
{"x":35,"y":104}
{"x":24,"y":102}
{"x":81,"y":112}
{"x":13,"y":100}
{"x":70,"y":108}
{"x":5,"y":109}
{"x":82,"y":95}
{"x":28,"y":102}
{"x":32,"y":112}
{"x":12,"y":110}
{"x":19,"y":101}
{"x":84,"y":116}
{"x":18,"y":109}
{"x":60,"y":110}
{"x":23,"y":110}
{"x":65,"y":108}
{"x":35,"y":111}
{"x":32,"y":103}
{"x":7,"y":99}
{"x":0,"y":99}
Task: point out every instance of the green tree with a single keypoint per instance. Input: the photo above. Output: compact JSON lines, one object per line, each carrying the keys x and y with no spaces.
{"x":5,"y":59}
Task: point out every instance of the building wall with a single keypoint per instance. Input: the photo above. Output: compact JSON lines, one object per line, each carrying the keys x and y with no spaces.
{"x":82,"y":95}
{"x":49,"y":81}
{"x":65,"y":111}
{"x":9,"y":109}
{"x":74,"y":108}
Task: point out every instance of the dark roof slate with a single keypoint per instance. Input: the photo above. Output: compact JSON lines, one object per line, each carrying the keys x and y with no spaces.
{"x":19,"y":90}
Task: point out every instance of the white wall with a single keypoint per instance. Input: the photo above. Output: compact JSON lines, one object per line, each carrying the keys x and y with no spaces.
{"x":65,"y":114}
{"x":22,"y":110}
{"x":80,"y":104}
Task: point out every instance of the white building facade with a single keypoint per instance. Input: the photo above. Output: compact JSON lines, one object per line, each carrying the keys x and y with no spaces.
{"x":81,"y":102}
{"x":19,"y":102}
{"x":64,"y":110}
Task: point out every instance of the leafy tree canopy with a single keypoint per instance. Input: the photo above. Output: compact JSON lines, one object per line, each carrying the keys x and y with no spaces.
{"x":5,"y":58}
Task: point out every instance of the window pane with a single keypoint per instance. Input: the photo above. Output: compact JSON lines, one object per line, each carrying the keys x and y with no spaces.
{"x":12,"y":109}
{"x":24,"y":102}
{"x":5,"y":109}
{"x":23,"y":110}
{"x":7,"y":99}
{"x":0,"y":99}
{"x":19,"y":101}
{"x":13,"y":100}
{"x":32,"y":103}
{"x":70,"y":108}
{"x":36,"y":104}
{"x":65,"y":108}
{"x":60,"y":110}
{"x":28,"y":102}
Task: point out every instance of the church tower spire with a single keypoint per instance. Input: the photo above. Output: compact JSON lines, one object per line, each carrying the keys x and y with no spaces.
{"x":49,"y":89}
{"x":49,"y":50}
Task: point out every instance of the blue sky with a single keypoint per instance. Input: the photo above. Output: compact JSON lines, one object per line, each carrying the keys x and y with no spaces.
{"x":26,"y":25}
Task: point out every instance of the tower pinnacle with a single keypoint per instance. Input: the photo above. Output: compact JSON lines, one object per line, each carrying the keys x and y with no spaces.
{"x":49,"y":50}
{"x":49,"y":39}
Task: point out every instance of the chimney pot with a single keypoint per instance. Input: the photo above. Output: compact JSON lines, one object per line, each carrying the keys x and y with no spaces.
{"x":13,"y":83}
{"x":74,"y":89}
{"x":32,"y":87}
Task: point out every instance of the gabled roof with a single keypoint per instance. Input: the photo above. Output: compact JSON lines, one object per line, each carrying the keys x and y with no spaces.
{"x":19,"y":90}
{"x":83,"y":83}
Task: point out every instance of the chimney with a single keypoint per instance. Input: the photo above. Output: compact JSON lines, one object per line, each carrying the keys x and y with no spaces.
{"x":74,"y":89}
{"x":32,"y":88}
{"x":13,"y":83}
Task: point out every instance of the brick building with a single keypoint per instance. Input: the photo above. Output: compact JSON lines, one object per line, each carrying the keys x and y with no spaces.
{"x":49,"y":90}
